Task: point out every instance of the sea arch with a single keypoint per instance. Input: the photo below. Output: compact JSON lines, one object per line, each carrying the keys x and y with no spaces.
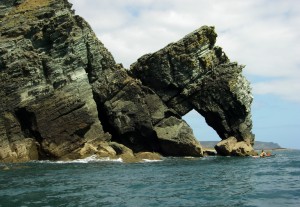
{"x":193,"y":73}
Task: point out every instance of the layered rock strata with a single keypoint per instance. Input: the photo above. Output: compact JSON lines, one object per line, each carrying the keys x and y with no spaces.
{"x":64,"y":97}
{"x":47,"y":105}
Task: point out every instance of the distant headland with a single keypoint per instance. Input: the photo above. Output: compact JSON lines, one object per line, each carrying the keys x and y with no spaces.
{"x":258,"y":145}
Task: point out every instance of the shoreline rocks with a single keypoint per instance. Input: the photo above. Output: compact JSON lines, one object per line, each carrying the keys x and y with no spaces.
{"x":232,"y":147}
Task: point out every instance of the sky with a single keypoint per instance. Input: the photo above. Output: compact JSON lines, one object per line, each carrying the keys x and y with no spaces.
{"x":264,"y":35}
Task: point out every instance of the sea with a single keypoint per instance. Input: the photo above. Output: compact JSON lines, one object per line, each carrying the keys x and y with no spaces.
{"x":207,"y":181}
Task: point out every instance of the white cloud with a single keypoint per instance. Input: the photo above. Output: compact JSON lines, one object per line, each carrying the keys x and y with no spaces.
{"x":262,"y":34}
{"x":286,"y":88}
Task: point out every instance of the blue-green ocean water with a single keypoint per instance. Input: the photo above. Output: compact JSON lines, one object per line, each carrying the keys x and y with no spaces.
{"x":208,"y":181}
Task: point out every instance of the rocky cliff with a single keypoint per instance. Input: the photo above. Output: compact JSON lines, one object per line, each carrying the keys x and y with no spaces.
{"x":64,"y":97}
{"x":47,"y":106}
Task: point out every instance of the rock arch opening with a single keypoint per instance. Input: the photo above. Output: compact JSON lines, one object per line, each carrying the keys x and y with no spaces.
{"x":202,"y":131}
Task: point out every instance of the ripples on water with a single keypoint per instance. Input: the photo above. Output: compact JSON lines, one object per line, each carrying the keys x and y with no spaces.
{"x":209,"y":181}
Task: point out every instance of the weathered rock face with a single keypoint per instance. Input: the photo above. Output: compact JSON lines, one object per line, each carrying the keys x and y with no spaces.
{"x":194,"y":74}
{"x":64,"y":97}
{"x":134,"y":114}
{"x":47,"y":102}
{"x":176,"y":138}
{"x":60,"y":88}
{"x":231,"y":146}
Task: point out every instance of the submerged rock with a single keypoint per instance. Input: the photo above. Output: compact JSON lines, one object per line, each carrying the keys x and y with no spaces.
{"x":64,"y":97}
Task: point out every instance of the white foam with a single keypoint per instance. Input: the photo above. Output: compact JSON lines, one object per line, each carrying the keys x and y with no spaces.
{"x":90,"y":159}
{"x":147,"y":160}
{"x":189,"y":157}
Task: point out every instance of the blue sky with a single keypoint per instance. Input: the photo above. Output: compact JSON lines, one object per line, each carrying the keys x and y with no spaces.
{"x":264,"y":35}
